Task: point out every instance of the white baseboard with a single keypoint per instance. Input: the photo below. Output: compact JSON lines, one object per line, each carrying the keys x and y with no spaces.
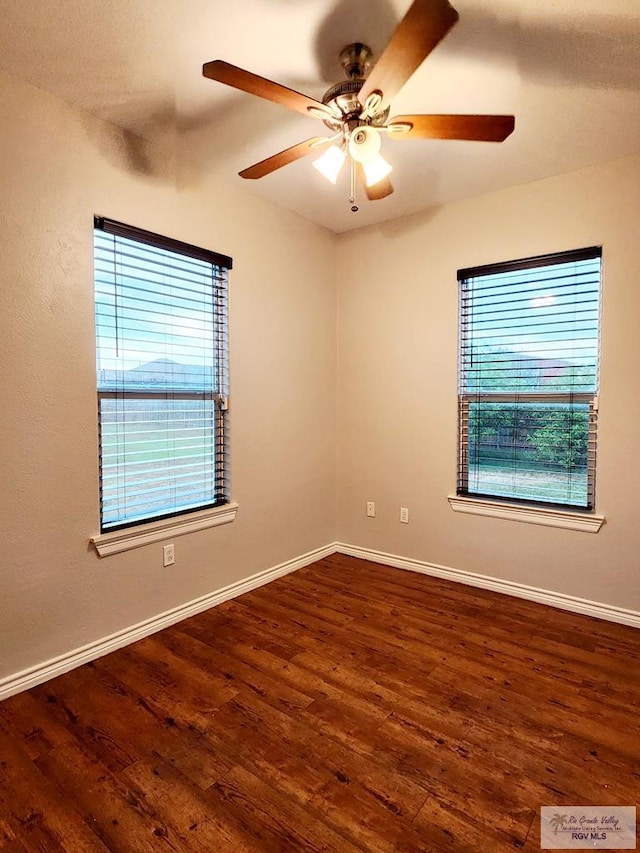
{"x":63,"y":663}
{"x":531,"y":593}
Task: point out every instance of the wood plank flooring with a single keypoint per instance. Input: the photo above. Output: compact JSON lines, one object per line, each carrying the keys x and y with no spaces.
{"x":346,"y":707}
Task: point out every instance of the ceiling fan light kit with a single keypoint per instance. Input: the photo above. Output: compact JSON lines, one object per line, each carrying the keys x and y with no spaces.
{"x":375,"y":170}
{"x":364,"y":144}
{"x":357,"y":109}
{"x":330,"y":163}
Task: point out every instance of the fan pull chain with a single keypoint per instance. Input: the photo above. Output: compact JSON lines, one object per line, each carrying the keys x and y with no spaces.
{"x":352,"y":197}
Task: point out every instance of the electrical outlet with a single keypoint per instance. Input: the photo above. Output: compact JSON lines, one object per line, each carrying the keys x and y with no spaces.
{"x":371,"y":509}
{"x":404,"y":514}
{"x":168,"y":555}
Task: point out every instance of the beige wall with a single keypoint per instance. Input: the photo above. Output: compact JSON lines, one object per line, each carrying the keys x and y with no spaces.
{"x":397,"y":334}
{"x":58,"y":168}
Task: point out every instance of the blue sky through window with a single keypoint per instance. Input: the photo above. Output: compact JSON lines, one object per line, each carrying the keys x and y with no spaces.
{"x":152,"y":306}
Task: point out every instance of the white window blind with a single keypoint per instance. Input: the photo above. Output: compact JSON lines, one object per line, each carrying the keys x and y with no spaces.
{"x":162,"y":377}
{"x":529,"y":344}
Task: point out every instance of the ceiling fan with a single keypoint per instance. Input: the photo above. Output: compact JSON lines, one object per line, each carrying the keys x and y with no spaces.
{"x":357,"y":109}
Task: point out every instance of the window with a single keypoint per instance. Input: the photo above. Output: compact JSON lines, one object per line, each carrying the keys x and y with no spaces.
{"x":528,"y":379}
{"x":161,"y":329}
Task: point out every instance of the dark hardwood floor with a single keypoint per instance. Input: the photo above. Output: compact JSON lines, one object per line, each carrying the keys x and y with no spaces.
{"x":346,"y":707}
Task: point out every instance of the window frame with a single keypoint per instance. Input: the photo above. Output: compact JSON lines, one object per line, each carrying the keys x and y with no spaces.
{"x":523,"y":508}
{"x":116,"y":536}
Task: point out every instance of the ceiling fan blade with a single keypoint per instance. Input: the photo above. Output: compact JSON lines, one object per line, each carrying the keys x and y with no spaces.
{"x":478,"y":128}
{"x":424,"y":25}
{"x":283,"y":158}
{"x":224,"y":72}
{"x":377,"y":191}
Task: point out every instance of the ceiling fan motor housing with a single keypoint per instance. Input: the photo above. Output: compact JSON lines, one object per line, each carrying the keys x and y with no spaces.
{"x":344,"y":96}
{"x":355,"y":59}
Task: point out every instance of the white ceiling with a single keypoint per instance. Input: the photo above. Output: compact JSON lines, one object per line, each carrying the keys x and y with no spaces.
{"x":569,"y":70}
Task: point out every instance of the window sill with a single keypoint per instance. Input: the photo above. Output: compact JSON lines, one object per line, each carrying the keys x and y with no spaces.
{"x":585,"y":522}
{"x":107,"y":544}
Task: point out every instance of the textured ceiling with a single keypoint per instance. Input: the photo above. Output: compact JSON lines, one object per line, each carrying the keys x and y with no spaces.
{"x":568,"y":71}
